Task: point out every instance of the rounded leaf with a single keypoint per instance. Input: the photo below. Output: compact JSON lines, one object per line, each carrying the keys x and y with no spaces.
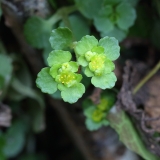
{"x":91,"y":125}
{"x":58,"y":57}
{"x":6,"y":66}
{"x":126,"y":15}
{"x":104,"y":81}
{"x":37,"y":32}
{"x":88,"y":72}
{"x":103,"y":24}
{"x":85,"y":44}
{"x":109,"y":66}
{"x":54,"y":70}
{"x":45,"y":81}
{"x":89,"y":8}
{"x":73,"y":93}
{"x":82,"y":61}
{"x":117,"y":33}
{"x":111,"y":47}
{"x":61,"y":38}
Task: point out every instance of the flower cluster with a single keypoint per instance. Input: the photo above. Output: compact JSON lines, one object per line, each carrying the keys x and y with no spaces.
{"x":97,"y":58}
{"x":92,"y":57}
{"x":62,"y":73}
{"x":96,"y":114}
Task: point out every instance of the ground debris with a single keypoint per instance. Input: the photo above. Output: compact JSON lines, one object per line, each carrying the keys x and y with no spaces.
{"x":143,"y":107}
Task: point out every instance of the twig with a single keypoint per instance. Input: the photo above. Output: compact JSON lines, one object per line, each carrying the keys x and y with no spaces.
{"x":146,"y":78}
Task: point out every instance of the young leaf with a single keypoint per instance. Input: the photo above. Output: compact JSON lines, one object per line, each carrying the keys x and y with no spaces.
{"x":45,"y":81}
{"x":91,"y":125}
{"x":61,"y":38}
{"x":37,"y":32}
{"x":73,"y":93}
{"x":111,"y":47}
{"x":58,"y":57}
{"x":85,"y":44}
{"x":104,"y":81}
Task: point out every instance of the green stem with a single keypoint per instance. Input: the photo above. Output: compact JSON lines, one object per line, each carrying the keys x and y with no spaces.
{"x":60,"y":13}
{"x":146,"y":78}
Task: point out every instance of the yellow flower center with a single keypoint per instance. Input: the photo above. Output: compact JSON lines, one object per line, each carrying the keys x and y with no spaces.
{"x":66,"y":78}
{"x":97,"y":116}
{"x":103,"y":104}
{"x":97,"y":64}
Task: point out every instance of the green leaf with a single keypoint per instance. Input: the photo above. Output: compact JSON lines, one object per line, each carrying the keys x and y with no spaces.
{"x":88,"y":111}
{"x":107,"y":100}
{"x":88,"y":72}
{"x":2,"y":82}
{"x":85,"y":44}
{"x":128,"y":134}
{"x":74,"y":66}
{"x":103,"y":24}
{"x":56,"y":95}
{"x":37,"y":32}
{"x":15,"y":139}
{"x":54,"y":70}
{"x":45,"y":82}
{"x":98,"y":49}
{"x":73,"y":93}
{"x":46,"y":52}
{"x":58,"y":57}
{"x":61,"y":38}
{"x":6,"y":66}
{"x":102,"y":21}
{"x":111,"y":47}
{"x":91,"y":125}
{"x":2,"y":156}
{"x":89,"y":8}
{"x":126,"y":16}
{"x":109,"y":66}
{"x":26,"y":91}
{"x":112,"y":2}
{"x":131,"y":2}
{"x":79,"y":26}
{"x":104,"y":81}
{"x":82,"y":61}
{"x":117,"y":33}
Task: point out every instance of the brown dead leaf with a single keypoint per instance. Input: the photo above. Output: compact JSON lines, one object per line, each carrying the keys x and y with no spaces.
{"x":152,"y":104}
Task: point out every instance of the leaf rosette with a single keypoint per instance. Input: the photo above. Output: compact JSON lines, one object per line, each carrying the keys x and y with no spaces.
{"x":97,"y":59}
{"x":61,"y":74}
{"x":96,"y":114}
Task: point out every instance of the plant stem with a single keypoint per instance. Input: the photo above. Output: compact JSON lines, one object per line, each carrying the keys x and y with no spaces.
{"x":146,"y":78}
{"x":60,"y":13}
